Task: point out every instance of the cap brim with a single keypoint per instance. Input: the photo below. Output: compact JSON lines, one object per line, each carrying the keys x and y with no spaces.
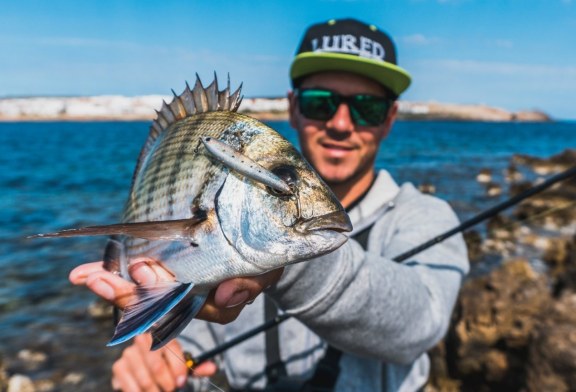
{"x":387,"y":74}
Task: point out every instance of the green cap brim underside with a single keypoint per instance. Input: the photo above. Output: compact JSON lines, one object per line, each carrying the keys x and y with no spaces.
{"x":387,"y":74}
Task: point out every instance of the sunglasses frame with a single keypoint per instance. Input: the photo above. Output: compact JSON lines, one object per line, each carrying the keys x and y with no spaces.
{"x":357,"y":113}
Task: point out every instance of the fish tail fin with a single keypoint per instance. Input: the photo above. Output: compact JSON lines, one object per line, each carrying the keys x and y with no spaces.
{"x":176,"y":320}
{"x":153,"y":303}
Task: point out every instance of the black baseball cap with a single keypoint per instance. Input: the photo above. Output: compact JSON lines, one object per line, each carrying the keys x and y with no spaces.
{"x":352,"y":46}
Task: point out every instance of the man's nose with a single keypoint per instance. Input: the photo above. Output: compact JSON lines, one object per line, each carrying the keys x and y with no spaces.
{"x":341,"y":121}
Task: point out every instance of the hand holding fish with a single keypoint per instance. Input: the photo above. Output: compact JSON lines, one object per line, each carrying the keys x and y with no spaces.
{"x":165,"y":369}
{"x":223,"y":305}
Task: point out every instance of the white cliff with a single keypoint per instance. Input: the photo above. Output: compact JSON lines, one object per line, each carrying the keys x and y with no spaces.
{"x":116,"y":107}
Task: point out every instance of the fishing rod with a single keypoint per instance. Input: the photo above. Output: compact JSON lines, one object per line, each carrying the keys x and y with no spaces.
{"x":192,"y":362}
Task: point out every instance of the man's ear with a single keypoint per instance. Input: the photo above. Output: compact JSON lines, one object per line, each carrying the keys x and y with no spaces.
{"x":387,"y":126}
{"x":292,"y":109}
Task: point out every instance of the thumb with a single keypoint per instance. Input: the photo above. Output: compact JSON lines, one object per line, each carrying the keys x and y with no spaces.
{"x":205,"y":369}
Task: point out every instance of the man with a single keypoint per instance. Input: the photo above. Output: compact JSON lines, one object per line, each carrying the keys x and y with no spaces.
{"x":377,"y":316}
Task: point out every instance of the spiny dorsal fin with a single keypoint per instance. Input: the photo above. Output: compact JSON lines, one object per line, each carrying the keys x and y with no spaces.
{"x":198,"y":100}
{"x":192,"y":101}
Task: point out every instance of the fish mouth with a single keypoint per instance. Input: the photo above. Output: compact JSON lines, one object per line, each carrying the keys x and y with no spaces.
{"x":335,"y":221}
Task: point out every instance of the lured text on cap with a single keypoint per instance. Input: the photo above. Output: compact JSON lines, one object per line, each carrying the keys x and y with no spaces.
{"x":348,"y":43}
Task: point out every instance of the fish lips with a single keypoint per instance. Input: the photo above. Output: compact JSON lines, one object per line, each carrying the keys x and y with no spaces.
{"x":335,"y":221}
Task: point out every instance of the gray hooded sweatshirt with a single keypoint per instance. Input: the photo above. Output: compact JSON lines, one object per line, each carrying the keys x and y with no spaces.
{"x":382,"y":314}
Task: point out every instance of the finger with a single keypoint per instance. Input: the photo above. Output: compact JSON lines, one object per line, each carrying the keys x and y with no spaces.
{"x":111,"y":287}
{"x":234,"y":292}
{"x":156,"y":373}
{"x":216,"y":314}
{"x":79,"y":274}
{"x":175,"y":359}
{"x":138,"y":367}
{"x":122,"y":378}
{"x":205,"y":369}
{"x":145,"y":271}
{"x":156,"y":362}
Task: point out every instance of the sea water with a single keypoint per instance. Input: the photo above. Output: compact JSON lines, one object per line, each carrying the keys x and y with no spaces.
{"x":58,"y":175}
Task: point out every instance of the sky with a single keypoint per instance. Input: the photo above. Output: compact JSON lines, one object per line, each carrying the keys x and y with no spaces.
{"x":512,"y":54}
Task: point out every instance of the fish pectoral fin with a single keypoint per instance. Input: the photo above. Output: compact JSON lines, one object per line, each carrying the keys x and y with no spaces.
{"x":154,"y":302}
{"x":182,"y":229}
{"x":177,"y":319}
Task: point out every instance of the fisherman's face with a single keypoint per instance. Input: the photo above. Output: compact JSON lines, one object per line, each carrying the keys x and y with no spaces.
{"x":341,"y":151}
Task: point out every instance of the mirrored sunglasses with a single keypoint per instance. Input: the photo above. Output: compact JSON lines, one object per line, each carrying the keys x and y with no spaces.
{"x":365,"y":109}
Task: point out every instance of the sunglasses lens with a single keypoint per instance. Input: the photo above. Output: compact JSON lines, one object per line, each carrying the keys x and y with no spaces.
{"x":369,"y":110}
{"x":317,"y":104}
{"x":366,"y":110}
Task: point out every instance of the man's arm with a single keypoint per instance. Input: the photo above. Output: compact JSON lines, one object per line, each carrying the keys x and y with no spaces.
{"x":366,"y":303}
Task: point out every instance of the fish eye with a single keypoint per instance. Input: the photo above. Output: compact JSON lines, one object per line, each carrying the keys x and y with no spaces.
{"x":288,"y":175}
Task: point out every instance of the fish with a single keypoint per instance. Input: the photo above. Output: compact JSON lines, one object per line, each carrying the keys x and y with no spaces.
{"x":215,"y":195}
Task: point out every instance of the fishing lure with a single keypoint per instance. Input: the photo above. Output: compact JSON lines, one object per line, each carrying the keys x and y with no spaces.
{"x":240,"y":163}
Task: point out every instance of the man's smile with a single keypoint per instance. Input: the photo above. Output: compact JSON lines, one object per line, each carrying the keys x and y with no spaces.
{"x":337,"y":150}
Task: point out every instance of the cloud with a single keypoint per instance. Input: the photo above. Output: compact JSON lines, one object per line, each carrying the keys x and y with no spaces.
{"x":504,"y":43}
{"x":452,"y":1}
{"x":419,"y":39}
{"x":502,"y":68}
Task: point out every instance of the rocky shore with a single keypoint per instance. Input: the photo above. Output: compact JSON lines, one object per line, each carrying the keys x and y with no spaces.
{"x":143,"y":108}
{"x":513,"y":328}
{"x":514,"y":325}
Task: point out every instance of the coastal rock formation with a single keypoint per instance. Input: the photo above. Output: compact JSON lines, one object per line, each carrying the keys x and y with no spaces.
{"x":115,"y":107}
{"x":552,"y":352}
{"x":460,"y":112}
{"x":558,"y":200}
{"x":514,"y":325}
{"x":554,"y":164}
{"x":495,"y":319}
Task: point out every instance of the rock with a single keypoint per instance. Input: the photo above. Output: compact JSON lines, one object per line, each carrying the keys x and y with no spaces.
{"x":553,"y":208}
{"x":519,"y":187}
{"x":3,"y":375}
{"x":100,"y":309}
{"x":562,"y":263}
{"x":32,"y":359}
{"x":493,"y":189}
{"x":429,"y":189}
{"x":473,"y":241}
{"x":45,"y":385}
{"x":512,"y":174}
{"x":552,"y":354}
{"x":494,"y":321}
{"x":440,"y":380}
{"x":532,"y":115}
{"x":485,"y":176}
{"x":20,"y":383}
{"x":501,"y":228}
{"x":73,"y":378}
{"x":546,"y":166}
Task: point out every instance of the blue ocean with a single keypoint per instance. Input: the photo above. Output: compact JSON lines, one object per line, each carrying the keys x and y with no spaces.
{"x":58,"y":175}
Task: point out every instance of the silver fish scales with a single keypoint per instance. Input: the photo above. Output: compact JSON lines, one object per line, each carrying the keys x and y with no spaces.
{"x":215,"y":195}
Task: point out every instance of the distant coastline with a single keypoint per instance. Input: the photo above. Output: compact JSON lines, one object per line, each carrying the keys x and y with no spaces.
{"x":121,"y":108}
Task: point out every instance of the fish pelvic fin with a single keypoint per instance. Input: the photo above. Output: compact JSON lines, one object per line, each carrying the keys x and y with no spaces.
{"x":153,"y":303}
{"x":176,"y":320}
{"x":173,"y":230}
{"x":192,"y":101}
